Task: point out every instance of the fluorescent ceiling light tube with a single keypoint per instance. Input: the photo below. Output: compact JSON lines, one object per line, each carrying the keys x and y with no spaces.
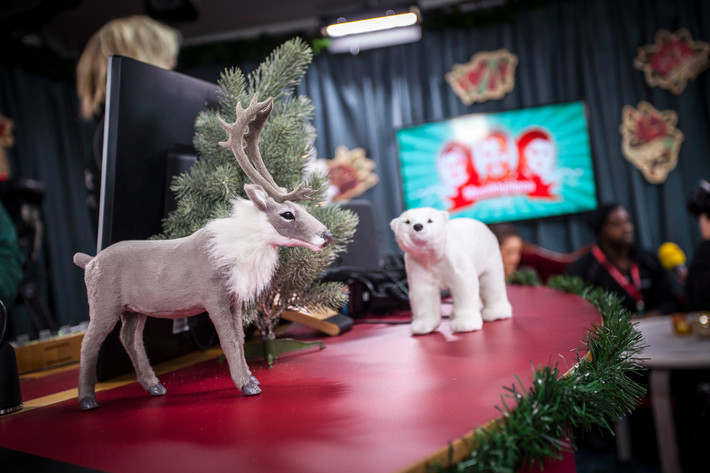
{"x":377,"y":39}
{"x":338,"y":30}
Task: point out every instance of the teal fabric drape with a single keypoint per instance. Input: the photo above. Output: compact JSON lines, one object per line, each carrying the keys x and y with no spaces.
{"x":572,"y":50}
{"x":49,"y":144}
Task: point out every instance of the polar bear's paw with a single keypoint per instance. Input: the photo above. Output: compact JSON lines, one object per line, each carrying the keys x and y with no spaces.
{"x":424,"y":326}
{"x":466,"y":323}
{"x":498,"y":311}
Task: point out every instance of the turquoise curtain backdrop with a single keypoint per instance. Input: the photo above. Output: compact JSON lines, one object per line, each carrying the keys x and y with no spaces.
{"x":50,"y":145}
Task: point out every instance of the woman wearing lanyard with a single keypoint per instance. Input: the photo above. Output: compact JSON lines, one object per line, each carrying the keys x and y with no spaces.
{"x":616,"y":265}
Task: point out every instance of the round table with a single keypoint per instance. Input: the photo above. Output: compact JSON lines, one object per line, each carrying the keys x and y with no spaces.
{"x":666,"y":351}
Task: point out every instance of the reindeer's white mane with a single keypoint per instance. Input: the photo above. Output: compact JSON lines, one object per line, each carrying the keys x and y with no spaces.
{"x":243,"y":246}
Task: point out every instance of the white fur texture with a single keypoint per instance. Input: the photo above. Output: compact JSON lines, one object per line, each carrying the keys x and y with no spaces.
{"x":461,"y":255}
{"x":239,"y":247}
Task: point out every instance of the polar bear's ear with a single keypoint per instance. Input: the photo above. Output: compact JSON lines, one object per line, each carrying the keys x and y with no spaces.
{"x":393,"y":224}
{"x":444,"y":215}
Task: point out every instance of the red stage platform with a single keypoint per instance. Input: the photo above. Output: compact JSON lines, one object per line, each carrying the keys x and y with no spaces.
{"x":375,"y":400}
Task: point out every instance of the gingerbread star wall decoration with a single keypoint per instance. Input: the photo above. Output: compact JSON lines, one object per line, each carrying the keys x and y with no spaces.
{"x":350,"y":173}
{"x":488,"y":75}
{"x":672,"y":60}
{"x":650,"y":140}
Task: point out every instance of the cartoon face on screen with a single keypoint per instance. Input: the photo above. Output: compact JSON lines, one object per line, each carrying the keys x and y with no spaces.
{"x":538,"y":154}
{"x":455,"y":170}
{"x":454,"y":166}
{"x":538,"y":162}
{"x":495,"y":157}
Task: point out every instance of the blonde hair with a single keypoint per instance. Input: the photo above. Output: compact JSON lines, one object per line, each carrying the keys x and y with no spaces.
{"x":137,"y":37}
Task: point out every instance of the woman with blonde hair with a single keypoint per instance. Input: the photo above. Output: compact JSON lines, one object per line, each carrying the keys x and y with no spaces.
{"x":137,"y":37}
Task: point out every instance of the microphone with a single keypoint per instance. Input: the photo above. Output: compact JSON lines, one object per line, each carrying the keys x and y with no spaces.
{"x":673,"y":259}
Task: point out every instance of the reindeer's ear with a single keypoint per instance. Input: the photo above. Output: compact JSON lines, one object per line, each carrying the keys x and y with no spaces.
{"x":257,"y":195}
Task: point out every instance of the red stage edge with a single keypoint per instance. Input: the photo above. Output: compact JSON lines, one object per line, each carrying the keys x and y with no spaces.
{"x":460,"y":449}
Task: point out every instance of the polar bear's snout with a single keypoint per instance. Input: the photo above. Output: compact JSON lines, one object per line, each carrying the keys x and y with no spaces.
{"x":422,"y":229}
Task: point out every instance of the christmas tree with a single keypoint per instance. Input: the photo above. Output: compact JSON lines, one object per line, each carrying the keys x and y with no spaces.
{"x":286,"y":139}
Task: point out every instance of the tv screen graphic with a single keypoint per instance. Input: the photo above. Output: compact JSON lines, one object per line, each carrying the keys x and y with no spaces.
{"x":496,"y":167}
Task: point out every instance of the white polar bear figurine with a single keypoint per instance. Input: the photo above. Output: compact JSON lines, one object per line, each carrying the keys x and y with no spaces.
{"x":461,"y":255}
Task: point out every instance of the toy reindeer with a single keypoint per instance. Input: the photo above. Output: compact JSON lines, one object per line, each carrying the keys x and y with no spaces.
{"x":216,"y":269}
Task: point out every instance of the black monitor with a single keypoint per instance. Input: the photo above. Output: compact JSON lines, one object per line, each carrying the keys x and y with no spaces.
{"x":148,"y":134}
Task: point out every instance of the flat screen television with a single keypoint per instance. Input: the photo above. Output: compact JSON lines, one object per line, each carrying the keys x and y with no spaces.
{"x":499,"y":167}
{"x":148,"y":134}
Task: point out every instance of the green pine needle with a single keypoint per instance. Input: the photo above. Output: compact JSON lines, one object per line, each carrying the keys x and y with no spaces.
{"x":205,"y":192}
{"x":524,"y":277}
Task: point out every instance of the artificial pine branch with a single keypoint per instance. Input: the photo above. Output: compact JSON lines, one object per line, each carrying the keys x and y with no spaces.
{"x":537,"y":424}
{"x":206,"y":191}
{"x":281,"y":72}
{"x":524,"y":277}
{"x":232,"y":85}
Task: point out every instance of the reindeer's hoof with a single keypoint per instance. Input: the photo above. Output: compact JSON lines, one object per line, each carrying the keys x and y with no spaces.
{"x":255,"y":381}
{"x":88,"y":403}
{"x":251,"y":388}
{"x":157,"y":390}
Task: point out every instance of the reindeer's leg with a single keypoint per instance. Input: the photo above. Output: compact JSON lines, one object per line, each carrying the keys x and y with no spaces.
{"x":232,"y":345}
{"x":132,"y":340}
{"x":101,"y":321}
{"x":239,"y":330}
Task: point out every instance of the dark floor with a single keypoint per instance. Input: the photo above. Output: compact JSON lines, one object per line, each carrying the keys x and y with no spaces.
{"x":591,"y":462}
{"x":691,"y":410}
{"x":598,"y":455}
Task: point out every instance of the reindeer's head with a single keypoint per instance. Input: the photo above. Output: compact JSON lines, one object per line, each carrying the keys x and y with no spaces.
{"x":294,"y":225}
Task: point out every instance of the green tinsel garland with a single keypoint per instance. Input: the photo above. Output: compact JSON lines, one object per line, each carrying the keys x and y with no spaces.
{"x":524,"y":277}
{"x":538,"y":426}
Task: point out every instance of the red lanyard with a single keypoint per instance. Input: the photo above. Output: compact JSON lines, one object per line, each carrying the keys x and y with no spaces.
{"x":633,"y":287}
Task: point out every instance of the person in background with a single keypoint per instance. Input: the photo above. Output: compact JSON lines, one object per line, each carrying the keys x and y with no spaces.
{"x":11,"y":270}
{"x":697,"y":283}
{"x":511,"y":248}
{"x":615,"y":264}
{"x":137,"y":37}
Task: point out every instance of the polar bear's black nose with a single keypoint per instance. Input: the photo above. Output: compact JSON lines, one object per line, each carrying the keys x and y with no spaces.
{"x":418,"y":227}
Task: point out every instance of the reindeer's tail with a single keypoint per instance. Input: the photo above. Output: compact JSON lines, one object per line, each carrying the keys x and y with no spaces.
{"x":81,"y":260}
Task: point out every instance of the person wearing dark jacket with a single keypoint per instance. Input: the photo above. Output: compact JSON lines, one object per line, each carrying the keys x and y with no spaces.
{"x":615,"y":264}
{"x":697,"y":284}
{"x":11,"y":259}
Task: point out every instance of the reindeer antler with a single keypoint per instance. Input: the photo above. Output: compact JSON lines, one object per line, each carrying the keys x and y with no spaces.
{"x":254,"y":117}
